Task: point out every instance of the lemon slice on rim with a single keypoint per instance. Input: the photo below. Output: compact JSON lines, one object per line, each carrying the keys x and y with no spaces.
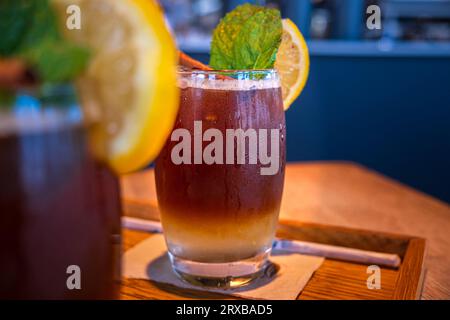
{"x":292,"y":63}
{"x":129,"y":89}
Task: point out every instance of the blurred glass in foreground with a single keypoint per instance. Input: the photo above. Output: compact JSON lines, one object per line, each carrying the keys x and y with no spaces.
{"x":59,"y":205}
{"x":62,"y":150}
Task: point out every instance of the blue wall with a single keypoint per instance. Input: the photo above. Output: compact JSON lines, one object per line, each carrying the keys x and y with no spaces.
{"x":390,"y":112}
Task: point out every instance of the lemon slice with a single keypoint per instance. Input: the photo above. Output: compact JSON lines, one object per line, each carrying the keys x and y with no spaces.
{"x":129,"y":89}
{"x":292,"y":63}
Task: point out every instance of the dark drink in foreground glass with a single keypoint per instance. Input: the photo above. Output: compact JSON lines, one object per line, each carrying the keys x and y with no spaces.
{"x":219,"y":193}
{"x":59,"y":207}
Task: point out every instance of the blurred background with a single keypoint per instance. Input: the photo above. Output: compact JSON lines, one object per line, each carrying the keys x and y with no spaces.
{"x":377,"y":97}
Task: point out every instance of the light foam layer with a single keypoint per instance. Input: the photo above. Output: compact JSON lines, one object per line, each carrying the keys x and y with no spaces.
{"x":218,"y":240}
{"x":227,"y":84}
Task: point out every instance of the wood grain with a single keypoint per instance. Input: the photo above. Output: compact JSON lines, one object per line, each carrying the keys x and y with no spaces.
{"x":349,"y":195}
{"x":412,"y":268}
{"x":333,"y":280}
{"x":336,"y":280}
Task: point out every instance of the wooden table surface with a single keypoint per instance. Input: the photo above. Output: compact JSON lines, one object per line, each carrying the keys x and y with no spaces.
{"x":347,"y":194}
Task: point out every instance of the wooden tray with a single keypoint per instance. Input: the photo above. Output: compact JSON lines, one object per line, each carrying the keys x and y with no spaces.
{"x":333,"y":280}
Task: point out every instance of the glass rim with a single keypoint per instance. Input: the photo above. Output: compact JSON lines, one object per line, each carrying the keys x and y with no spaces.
{"x":184,"y":71}
{"x":41,"y":109}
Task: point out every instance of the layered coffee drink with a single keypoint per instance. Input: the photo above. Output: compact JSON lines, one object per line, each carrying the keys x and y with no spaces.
{"x":220,"y":176}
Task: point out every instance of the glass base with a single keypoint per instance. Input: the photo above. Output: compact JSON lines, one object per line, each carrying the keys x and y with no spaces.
{"x":226,"y":275}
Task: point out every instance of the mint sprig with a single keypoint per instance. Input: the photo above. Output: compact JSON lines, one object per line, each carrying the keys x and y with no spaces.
{"x":57,"y":62}
{"x":15,"y":16}
{"x":247,"y":38}
{"x":30,"y":31}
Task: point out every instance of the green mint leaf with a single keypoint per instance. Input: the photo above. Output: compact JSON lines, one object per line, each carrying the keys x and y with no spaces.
{"x":57,"y":61}
{"x":257,"y":43}
{"x":15,"y":16}
{"x":43,"y":26}
{"x":29,"y":30}
{"x":247,"y":38}
{"x":226,"y":32}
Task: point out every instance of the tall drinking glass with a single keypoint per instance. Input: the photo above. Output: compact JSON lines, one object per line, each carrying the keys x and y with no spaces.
{"x":59,"y":204}
{"x":220,"y":176}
